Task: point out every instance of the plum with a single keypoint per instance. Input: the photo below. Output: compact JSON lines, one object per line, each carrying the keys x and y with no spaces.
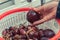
{"x":49,"y":33}
{"x":33,"y":16}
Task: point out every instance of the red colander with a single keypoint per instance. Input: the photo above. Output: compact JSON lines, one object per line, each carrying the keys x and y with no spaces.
{"x":13,"y":11}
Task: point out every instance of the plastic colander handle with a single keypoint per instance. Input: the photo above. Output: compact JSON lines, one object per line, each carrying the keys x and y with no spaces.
{"x":21,"y":10}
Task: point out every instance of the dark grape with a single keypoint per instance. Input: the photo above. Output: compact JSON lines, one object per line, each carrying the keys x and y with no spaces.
{"x":7,"y":30}
{"x":36,"y":35}
{"x":22,"y":31}
{"x":11,"y":28}
{"x":33,"y":16}
{"x":49,"y":33}
{"x":41,"y":33}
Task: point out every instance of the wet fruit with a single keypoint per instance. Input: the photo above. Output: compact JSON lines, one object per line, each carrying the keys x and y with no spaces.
{"x":33,"y":16}
{"x":49,"y":33}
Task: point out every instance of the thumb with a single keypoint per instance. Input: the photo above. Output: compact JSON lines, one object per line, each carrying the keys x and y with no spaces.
{"x":38,"y":9}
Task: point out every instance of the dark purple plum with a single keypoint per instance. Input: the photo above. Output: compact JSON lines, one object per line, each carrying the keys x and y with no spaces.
{"x":33,"y":16}
{"x":49,"y":33}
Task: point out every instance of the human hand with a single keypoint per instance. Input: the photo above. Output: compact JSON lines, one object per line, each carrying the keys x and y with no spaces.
{"x":48,"y":12}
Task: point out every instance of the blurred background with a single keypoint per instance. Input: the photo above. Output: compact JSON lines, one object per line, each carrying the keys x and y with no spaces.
{"x":6,"y":5}
{"x":10,"y":4}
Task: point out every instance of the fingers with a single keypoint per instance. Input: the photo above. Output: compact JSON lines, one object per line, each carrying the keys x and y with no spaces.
{"x":45,"y":18}
{"x":38,"y":9}
{"x":38,"y":22}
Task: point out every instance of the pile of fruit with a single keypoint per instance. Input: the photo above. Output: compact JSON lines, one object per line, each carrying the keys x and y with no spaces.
{"x":27,"y":33}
